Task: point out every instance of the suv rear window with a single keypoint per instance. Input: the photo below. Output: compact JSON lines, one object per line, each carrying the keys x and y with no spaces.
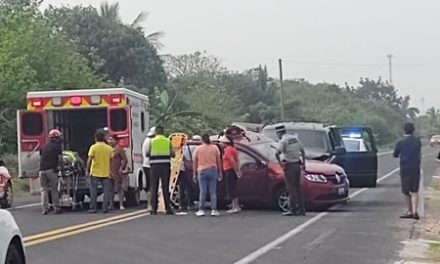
{"x":32,"y":124}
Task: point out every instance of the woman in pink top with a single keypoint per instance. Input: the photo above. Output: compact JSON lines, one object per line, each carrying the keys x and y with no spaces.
{"x":207,"y":170}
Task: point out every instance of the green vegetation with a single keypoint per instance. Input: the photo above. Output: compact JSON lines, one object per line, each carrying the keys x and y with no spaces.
{"x":435,"y":252}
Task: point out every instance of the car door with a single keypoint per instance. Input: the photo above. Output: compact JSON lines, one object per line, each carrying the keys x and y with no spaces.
{"x":253,"y":182}
{"x":360,"y":164}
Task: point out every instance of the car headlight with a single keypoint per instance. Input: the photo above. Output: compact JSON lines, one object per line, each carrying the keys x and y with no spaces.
{"x":316,"y":178}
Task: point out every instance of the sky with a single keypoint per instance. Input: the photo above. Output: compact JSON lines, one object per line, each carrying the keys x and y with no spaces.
{"x":336,"y":41}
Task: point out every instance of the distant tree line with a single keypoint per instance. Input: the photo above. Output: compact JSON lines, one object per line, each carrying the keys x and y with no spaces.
{"x":85,"y":47}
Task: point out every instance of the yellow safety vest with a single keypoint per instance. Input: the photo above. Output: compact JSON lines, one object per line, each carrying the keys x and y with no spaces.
{"x":160,"y":150}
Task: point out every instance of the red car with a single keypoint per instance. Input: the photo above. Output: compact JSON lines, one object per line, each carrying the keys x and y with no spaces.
{"x":262,"y":181}
{"x":5,"y":187}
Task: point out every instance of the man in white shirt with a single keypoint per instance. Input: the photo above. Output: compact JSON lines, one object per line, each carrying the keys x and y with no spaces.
{"x":146,"y":164}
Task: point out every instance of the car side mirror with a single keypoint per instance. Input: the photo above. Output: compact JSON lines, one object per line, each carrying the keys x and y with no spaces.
{"x":339,"y":151}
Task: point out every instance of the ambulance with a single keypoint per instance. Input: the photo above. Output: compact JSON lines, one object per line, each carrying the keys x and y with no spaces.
{"x":78,"y":114}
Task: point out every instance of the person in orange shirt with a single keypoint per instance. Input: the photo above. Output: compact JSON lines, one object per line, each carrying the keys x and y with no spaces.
{"x":207,"y":171}
{"x":231,"y":170}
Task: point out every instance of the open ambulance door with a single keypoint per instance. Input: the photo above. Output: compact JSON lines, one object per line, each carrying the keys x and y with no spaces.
{"x":32,"y":130}
{"x":360,"y":157}
{"x":119,"y":124}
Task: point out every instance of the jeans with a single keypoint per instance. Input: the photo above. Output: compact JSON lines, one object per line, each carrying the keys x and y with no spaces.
{"x":49,"y":183}
{"x":160,"y":171}
{"x":208,"y":182}
{"x":107,"y":186}
{"x":293,"y":185}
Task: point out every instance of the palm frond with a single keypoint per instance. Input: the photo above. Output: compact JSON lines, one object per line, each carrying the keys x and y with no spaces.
{"x":110,"y":11}
{"x":154,"y":39}
{"x":141,"y":17}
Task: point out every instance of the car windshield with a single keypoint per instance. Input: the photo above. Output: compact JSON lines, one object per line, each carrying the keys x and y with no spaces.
{"x":266,"y":149}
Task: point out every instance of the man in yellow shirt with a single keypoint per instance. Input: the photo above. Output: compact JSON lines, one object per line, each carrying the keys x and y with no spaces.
{"x":98,"y":169}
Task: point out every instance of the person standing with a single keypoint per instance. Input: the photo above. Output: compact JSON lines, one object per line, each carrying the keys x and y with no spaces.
{"x":118,"y":177}
{"x":207,"y":171}
{"x":146,"y":165}
{"x":186,"y":190}
{"x":51,"y":159}
{"x":231,"y":170}
{"x":409,"y":150}
{"x":160,"y":154}
{"x":294,"y":156}
{"x":98,"y":169}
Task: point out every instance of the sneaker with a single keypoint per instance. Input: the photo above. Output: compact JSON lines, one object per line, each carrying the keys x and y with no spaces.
{"x":200,"y":213}
{"x":233,"y":211}
{"x":407,"y":216}
{"x":44,"y":213}
{"x":215,"y":213}
{"x":121,"y":207}
{"x":288,"y":213}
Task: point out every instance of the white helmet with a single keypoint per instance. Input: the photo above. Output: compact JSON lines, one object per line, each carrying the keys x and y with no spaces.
{"x":152,"y":132}
{"x":197,"y":138}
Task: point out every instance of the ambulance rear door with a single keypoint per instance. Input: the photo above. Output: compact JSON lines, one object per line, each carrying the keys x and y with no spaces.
{"x":32,"y":130}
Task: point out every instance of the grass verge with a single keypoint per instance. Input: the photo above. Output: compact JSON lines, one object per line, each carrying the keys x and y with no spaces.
{"x":434,"y":250}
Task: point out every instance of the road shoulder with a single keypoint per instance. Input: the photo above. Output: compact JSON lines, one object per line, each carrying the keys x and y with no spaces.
{"x":424,"y":246}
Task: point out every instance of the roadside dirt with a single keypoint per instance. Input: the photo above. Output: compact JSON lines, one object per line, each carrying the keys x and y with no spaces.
{"x":424,"y":246}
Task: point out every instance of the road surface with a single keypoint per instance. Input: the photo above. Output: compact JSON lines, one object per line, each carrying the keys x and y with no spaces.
{"x":366,"y":230}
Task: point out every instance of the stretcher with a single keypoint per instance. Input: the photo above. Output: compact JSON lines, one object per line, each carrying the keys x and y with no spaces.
{"x":72,"y":183}
{"x":178,"y":141}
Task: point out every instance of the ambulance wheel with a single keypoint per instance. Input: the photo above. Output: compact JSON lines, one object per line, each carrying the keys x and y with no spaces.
{"x":132,"y":197}
{"x":6,"y":201}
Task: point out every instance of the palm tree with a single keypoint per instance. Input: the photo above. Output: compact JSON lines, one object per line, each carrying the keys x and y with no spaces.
{"x":111,"y":12}
{"x":407,"y":111}
{"x":433,"y":116}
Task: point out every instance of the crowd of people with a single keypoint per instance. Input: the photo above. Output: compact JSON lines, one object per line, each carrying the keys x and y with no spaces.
{"x":107,"y":161}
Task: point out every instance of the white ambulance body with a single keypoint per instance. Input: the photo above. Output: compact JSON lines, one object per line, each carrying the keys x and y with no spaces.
{"x":78,"y":114}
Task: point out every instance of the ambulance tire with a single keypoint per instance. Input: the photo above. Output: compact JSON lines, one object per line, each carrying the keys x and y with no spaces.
{"x":132,"y":197}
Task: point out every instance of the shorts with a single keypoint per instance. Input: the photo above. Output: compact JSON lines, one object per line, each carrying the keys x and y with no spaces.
{"x":410,"y":179}
{"x":120,"y":183}
{"x":231,"y":183}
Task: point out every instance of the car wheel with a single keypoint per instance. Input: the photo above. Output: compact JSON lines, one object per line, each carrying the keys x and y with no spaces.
{"x":175,"y":197}
{"x":7,"y":199}
{"x":282,"y":199}
{"x":133,"y":197}
{"x":13,"y":255}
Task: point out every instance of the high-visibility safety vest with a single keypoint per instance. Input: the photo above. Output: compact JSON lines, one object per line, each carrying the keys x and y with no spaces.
{"x":160,"y":150}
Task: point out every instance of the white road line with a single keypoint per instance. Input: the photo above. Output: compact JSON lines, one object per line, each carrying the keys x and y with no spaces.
{"x":275,"y":243}
{"x":25,"y":206}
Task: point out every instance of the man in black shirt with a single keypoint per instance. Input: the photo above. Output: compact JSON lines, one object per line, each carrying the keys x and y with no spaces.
{"x":50,"y":155}
{"x":409,"y":151}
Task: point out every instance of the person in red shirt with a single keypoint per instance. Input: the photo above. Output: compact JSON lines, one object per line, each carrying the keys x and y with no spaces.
{"x":231,"y":170}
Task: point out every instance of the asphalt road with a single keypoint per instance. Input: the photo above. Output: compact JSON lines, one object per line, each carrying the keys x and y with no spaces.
{"x":366,"y":230}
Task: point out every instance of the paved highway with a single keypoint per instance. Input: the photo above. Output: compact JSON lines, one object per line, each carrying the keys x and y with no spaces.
{"x":366,"y":230}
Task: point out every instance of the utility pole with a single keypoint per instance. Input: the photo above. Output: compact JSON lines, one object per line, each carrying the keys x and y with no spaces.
{"x":280,"y":64}
{"x":390,"y":68}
